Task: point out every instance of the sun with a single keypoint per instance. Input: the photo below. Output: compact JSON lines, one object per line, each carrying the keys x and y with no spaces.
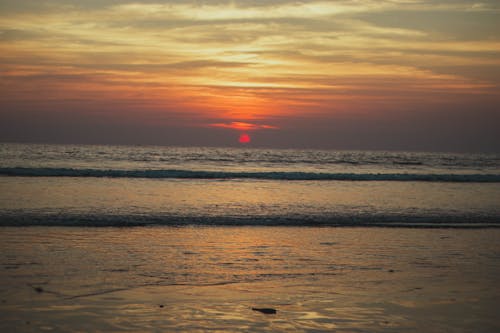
{"x":244,"y":138}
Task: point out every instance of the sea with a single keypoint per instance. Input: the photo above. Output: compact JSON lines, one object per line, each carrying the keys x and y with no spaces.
{"x":175,"y":239}
{"x":145,"y":185}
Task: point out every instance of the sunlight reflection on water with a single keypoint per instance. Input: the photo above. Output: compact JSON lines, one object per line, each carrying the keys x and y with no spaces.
{"x":209,"y":278}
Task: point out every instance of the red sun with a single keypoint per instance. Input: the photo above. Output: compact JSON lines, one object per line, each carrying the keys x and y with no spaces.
{"x":244,"y":138}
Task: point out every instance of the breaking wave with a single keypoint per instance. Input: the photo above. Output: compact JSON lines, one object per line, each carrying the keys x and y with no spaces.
{"x":72,"y":219}
{"x":269,"y":175}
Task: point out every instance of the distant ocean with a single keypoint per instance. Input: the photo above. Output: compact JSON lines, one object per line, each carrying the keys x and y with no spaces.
{"x":80,"y":185}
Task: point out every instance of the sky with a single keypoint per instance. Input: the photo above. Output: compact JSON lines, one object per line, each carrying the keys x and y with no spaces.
{"x":361,"y":74}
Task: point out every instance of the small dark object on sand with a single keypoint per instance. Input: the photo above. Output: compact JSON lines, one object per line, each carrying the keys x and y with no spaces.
{"x":38,"y":289}
{"x":265,"y":310}
{"x":161,"y":305}
{"x":391,"y":271}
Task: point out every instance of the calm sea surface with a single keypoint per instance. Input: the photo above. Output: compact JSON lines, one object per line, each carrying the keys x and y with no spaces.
{"x":117,"y":185}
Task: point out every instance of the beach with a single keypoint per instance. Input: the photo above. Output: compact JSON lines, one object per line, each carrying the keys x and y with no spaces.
{"x":200,"y":278}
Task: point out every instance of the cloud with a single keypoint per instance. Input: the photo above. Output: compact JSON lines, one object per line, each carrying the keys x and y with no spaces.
{"x":242,"y":126}
{"x":244,"y":64}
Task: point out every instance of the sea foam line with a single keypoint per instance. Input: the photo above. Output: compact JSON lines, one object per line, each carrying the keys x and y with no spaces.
{"x":68,"y":219}
{"x":270,"y":175}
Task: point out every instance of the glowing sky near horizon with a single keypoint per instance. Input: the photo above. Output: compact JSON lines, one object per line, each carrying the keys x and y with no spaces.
{"x":340,"y":74}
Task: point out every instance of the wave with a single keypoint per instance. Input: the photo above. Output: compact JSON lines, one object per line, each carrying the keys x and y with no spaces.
{"x":268,"y":175}
{"x":73,"y":219}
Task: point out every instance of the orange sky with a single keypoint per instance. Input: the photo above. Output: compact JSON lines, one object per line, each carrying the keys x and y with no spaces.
{"x":267,"y":66}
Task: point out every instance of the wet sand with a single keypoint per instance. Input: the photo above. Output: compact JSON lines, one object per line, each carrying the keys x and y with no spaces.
{"x":209,"y":279}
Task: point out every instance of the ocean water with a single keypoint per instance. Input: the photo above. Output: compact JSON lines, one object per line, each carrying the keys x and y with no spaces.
{"x":124,"y":185}
{"x":145,"y":239}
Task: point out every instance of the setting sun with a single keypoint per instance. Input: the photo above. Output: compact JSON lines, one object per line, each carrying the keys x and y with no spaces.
{"x":244,"y":138}
{"x":314,"y":73}
{"x":153,"y":152}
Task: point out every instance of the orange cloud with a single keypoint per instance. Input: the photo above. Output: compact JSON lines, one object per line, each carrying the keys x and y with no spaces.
{"x":241,"y":126}
{"x":245,"y":63}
